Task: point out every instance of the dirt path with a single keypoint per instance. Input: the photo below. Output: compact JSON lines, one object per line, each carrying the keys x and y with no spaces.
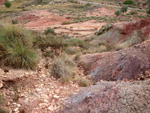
{"x":33,"y":91}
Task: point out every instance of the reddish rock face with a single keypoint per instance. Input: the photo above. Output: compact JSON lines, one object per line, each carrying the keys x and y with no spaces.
{"x":129,"y":63}
{"x":122,"y":32}
{"x":1,"y":2}
{"x":129,"y":27}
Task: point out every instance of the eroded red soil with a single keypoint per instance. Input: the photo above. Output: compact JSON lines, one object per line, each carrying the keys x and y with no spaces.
{"x":39,"y":20}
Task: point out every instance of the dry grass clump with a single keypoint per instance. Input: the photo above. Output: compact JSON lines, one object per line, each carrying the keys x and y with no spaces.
{"x":71,"y":50}
{"x":16,"y":47}
{"x":63,"y":67}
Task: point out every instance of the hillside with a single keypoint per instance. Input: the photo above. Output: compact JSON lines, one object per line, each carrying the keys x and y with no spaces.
{"x":73,"y":56}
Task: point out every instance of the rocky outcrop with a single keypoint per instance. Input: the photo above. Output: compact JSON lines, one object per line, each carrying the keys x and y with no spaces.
{"x":123,"y":32}
{"x":111,"y":97}
{"x":130,"y":63}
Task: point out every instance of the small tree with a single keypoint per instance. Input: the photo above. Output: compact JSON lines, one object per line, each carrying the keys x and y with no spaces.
{"x":7,"y":4}
{"x":124,"y":9}
{"x":117,"y":13}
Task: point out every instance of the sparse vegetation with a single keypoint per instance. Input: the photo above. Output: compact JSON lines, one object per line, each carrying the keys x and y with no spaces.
{"x":50,"y":31}
{"x":62,"y":53}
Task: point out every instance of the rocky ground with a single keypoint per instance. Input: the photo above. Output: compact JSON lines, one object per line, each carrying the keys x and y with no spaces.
{"x":111,"y":97}
{"x":33,"y":91}
{"x":120,"y":78}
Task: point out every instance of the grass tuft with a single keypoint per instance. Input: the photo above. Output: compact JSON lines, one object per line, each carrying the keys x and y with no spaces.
{"x":63,"y":67}
{"x":16,"y":47}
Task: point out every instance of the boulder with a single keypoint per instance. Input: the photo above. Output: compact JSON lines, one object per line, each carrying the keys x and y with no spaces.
{"x":130,"y":63}
{"x":111,"y":97}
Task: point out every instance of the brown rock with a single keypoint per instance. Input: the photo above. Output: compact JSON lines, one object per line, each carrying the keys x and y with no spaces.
{"x":127,"y":63}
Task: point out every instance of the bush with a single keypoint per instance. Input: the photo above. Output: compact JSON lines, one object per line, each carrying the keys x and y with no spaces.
{"x":87,"y":5}
{"x":78,"y":42}
{"x":124,"y":9}
{"x":128,"y":2}
{"x":16,"y":47}
{"x":65,"y":23}
{"x":7,"y":4}
{"x":148,"y":11}
{"x":57,"y":42}
{"x":62,"y":67}
{"x":84,"y":82}
{"x":133,"y":12}
{"x":50,"y":31}
{"x":48,"y":53}
{"x":117,"y":13}
{"x":44,"y":42}
{"x":14,"y":21}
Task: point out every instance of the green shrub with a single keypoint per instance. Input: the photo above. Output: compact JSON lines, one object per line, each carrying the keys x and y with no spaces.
{"x":124,"y":9}
{"x":7,"y":4}
{"x":50,"y":31}
{"x":118,"y":12}
{"x":16,"y":47}
{"x":87,"y":5}
{"x":14,"y":21}
{"x":128,"y":2}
